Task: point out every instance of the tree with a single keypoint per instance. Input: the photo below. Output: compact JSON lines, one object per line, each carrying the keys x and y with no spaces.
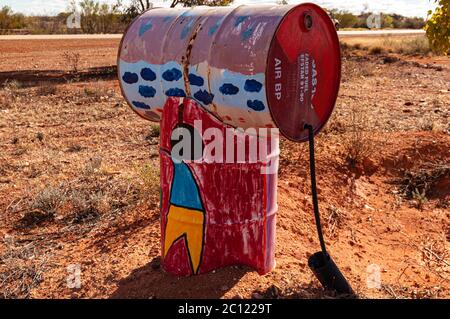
{"x":97,"y":17}
{"x":135,"y":8}
{"x":345,"y":18}
{"x":138,"y":7}
{"x":11,"y":20}
{"x":89,"y":14}
{"x":388,"y":21}
{"x":438,"y":27}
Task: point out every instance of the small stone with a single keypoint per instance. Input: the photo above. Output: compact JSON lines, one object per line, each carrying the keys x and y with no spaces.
{"x":409,"y":103}
{"x":238,"y":297}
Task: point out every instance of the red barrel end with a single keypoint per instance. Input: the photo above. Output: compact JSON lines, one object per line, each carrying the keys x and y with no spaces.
{"x":303,"y":71}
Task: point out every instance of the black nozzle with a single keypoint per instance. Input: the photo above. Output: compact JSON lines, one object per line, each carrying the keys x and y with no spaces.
{"x":329,"y":275}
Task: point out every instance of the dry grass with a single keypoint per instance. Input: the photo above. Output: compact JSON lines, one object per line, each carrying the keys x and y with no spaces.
{"x":154,"y":131}
{"x":421,"y":183}
{"x":336,"y":219}
{"x":22,"y":268}
{"x":376,"y":50}
{"x":80,"y":206}
{"x":9,"y":94}
{"x":353,"y":70}
{"x":96,"y":195}
{"x":49,"y":200}
{"x":149,"y":180}
{"x":44,"y":206}
{"x":95,"y":92}
{"x":358,"y":140}
{"x":47,"y":89}
{"x":72,"y":59}
{"x":410,"y":45}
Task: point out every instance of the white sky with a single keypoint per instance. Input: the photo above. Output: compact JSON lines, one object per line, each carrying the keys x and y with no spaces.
{"x":404,"y":7}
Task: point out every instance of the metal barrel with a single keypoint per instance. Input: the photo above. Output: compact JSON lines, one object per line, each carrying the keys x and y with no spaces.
{"x":258,"y":66}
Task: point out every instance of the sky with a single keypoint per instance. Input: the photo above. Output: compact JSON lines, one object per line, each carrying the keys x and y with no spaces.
{"x":409,"y":8}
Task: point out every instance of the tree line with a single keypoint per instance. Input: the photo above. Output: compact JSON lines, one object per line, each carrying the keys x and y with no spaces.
{"x":99,"y":17}
{"x":96,"y":16}
{"x":388,"y":21}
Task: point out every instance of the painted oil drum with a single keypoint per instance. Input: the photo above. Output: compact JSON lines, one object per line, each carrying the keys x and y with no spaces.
{"x":213,"y":214}
{"x":258,"y":66}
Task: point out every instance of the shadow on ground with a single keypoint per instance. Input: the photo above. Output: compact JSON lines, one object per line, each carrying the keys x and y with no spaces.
{"x":31,"y":78}
{"x":151,"y":281}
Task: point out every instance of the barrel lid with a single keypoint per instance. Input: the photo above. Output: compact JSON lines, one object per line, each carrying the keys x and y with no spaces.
{"x":304,"y":71}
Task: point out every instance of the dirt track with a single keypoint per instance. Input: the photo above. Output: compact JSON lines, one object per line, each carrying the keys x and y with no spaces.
{"x":48,"y":55}
{"x":80,"y":137}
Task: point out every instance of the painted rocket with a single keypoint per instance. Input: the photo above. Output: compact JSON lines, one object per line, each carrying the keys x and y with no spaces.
{"x":186,"y":216}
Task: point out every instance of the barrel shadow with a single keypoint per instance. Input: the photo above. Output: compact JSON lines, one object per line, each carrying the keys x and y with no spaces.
{"x":32,"y":78}
{"x":150,"y":281}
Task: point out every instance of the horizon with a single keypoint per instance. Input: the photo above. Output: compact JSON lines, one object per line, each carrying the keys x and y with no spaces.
{"x":401,"y":7}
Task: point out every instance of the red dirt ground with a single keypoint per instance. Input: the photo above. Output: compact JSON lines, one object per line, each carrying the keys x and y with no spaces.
{"x":53,"y":138}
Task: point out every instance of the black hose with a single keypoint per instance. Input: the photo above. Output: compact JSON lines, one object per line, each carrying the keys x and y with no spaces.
{"x":321,"y":263}
{"x":314,"y":187}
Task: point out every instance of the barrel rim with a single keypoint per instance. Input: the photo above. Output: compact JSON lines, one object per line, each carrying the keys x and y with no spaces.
{"x":119,"y":52}
{"x":339,"y":75}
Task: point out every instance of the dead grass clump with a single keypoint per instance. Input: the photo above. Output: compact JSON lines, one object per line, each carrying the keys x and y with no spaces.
{"x":43,"y":207}
{"x":435,"y":254}
{"x":86,"y":206}
{"x":152,"y":137}
{"x":22,"y":268}
{"x":96,"y":92}
{"x":73,"y":60}
{"x":358,"y":141}
{"x":19,"y":150}
{"x":46,"y":90}
{"x":92,"y":165}
{"x":423,"y":184}
{"x":426,"y":183}
{"x":96,"y":199}
{"x":74,"y":148}
{"x":335,"y":220}
{"x":83,"y":202}
{"x":349,"y":47}
{"x":9,"y":94}
{"x":154,"y":131}
{"x":408,"y":46}
{"x":12,"y":86}
{"x":49,"y":200}
{"x":40,"y":136}
{"x":93,"y":92}
{"x":376,"y":50}
{"x":424,"y":180}
{"x":334,"y":127}
{"x":357,"y":69}
{"x":149,"y":177}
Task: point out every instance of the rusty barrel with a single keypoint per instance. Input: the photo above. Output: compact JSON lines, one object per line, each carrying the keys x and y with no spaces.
{"x":258,"y":66}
